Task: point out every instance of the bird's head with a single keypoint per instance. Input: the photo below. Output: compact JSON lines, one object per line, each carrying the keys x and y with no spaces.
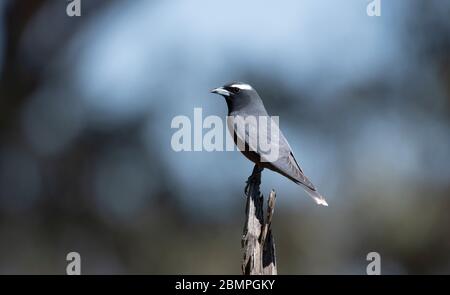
{"x":238,"y":95}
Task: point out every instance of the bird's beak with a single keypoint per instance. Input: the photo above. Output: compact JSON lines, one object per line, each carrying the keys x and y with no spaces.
{"x":221,"y":91}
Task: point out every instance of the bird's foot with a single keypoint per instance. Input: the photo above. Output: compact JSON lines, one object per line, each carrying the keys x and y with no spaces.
{"x":247,"y":187}
{"x":255,"y":178}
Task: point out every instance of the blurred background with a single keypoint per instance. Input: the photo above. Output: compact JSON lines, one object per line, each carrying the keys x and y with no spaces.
{"x":86,"y":105}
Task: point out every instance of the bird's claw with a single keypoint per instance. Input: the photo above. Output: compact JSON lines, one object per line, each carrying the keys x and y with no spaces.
{"x":252,"y":178}
{"x":247,"y":187}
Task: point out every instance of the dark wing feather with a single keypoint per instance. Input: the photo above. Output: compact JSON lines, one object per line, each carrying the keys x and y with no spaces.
{"x":286,"y":164}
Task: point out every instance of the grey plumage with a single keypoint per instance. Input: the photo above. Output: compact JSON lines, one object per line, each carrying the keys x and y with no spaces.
{"x":243,"y":101}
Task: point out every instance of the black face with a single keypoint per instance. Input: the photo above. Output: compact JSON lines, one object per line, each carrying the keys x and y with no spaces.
{"x":231,"y":89}
{"x":234,"y":89}
{"x":239,"y":95}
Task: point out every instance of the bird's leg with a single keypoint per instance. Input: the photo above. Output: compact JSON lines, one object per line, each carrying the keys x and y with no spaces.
{"x":256,"y":176}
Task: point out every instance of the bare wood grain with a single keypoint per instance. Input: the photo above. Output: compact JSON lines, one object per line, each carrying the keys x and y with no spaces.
{"x":257,"y":239}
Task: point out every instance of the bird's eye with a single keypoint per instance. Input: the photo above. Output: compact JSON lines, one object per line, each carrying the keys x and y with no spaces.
{"x":235,"y":89}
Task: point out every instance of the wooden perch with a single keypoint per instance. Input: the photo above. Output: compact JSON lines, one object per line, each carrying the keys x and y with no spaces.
{"x":257,"y":239}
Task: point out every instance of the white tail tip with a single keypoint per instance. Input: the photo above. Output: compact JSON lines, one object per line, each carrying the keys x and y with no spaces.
{"x":316,"y":196}
{"x":321,"y":201}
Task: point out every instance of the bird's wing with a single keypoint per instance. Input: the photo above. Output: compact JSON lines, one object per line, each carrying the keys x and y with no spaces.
{"x":266,"y":139}
{"x":260,"y":140}
{"x":253,"y":135}
{"x":291,"y":169}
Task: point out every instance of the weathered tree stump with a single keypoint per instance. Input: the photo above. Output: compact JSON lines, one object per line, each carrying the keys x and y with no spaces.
{"x":257,"y":239}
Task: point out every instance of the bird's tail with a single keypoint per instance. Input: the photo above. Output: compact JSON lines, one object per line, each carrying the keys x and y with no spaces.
{"x":320,"y":200}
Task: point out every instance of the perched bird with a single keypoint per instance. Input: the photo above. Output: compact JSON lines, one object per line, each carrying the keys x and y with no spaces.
{"x":243,"y":101}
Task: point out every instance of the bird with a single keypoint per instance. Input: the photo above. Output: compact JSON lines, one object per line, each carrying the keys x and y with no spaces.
{"x":243,"y":101}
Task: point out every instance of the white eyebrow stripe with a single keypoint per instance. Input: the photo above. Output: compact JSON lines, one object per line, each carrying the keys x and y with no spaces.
{"x":242,"y":86}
